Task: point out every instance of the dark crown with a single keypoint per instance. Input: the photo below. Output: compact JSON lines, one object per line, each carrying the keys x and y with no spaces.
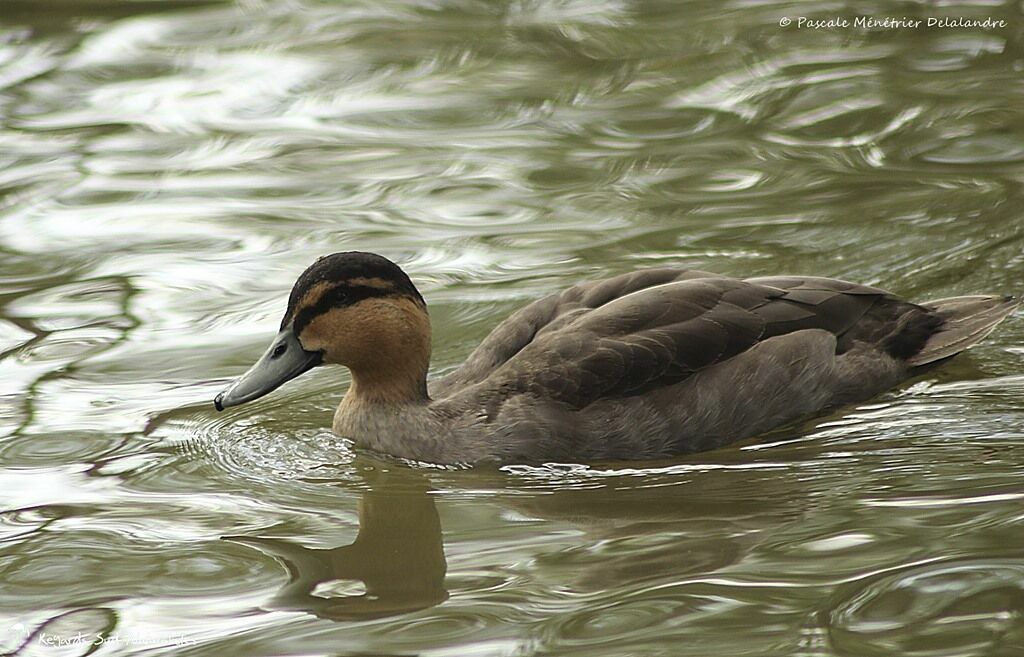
{"x":351,"y":276}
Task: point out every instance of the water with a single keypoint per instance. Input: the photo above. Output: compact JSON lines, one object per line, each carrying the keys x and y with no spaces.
{"x":169,"y":167}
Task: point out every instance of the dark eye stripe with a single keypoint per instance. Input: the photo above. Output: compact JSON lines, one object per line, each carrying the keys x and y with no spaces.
{"x":339,"y":296}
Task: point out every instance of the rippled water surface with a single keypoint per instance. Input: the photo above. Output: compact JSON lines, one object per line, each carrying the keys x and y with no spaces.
{"x":168,"y":167}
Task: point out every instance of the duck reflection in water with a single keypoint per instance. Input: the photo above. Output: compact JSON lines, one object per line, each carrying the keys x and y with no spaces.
{"x":398,"y":557}
{"x":679,"y":521}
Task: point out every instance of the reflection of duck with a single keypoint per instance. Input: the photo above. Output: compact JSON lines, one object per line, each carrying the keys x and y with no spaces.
{"x":397,"y":557}
{"x":647,"y":364}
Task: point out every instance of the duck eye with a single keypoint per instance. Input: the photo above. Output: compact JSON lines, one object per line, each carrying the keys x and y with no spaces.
{"x":278,"y":350}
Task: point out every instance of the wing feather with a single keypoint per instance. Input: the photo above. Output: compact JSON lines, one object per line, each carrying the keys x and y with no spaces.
{"x":653,"y":328}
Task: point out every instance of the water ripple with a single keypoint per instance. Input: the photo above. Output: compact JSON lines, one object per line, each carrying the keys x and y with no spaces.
{"x":929,"y":610}
{"x":168,"y":168}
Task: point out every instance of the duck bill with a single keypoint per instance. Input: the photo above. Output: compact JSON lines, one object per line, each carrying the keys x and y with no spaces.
{"x":282,"y":362}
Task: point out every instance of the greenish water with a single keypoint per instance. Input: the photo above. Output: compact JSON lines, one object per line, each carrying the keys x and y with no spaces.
{"x":168,"y":168}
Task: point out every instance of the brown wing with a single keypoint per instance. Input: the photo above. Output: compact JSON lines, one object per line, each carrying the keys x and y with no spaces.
{"x":657,"y":327}
{"x":549,"y":314}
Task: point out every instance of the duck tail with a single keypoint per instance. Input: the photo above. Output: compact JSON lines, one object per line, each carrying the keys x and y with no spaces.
{"x":965,"y":322}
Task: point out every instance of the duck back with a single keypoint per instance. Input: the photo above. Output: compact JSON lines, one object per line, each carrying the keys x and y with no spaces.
{"x":666,"y":361}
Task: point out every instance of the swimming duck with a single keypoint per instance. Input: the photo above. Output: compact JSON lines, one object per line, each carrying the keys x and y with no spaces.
{"x":653,"y":363}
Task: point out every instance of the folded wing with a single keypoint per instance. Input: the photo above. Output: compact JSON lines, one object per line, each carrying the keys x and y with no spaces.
{"x":657,"y":327}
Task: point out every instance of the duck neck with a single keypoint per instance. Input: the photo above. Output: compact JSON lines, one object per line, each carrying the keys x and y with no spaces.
{"x":385,"y":414}
{"x":385,"y":402}
{"x":380,"y":386}
{"x":387,"y":408}
{"x":391,"y":417}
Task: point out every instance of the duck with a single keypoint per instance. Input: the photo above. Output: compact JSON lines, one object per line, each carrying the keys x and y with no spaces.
{"x":649,"y":364}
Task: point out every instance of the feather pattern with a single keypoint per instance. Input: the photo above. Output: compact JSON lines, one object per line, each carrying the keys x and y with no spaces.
{"x":654,"y":328}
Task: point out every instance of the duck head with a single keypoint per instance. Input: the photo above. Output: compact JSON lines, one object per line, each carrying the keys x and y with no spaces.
{"x":354,"y":309}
